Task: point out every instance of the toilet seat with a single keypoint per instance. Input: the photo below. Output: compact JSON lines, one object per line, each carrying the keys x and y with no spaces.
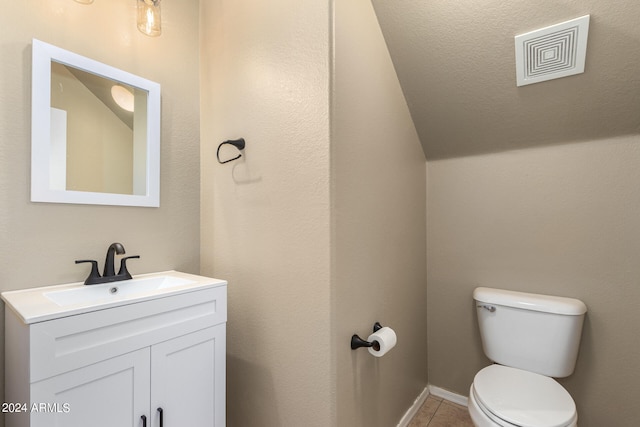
{"x":513,"y":397}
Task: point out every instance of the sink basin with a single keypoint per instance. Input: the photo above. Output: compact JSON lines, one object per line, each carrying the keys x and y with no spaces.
{"x":52,"y":302}
{"x":114,"y":290}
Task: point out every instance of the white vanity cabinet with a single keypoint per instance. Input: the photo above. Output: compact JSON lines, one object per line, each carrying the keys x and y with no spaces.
{"x":156,"y":362}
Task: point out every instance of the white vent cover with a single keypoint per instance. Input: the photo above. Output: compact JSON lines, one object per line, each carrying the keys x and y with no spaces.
{"x":552,"y":52}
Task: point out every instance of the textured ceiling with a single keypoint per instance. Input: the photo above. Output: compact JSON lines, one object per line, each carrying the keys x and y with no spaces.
{"x":456,"y":64}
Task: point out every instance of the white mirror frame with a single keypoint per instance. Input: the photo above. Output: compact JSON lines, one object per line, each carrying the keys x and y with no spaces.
{"x":41,"y":187}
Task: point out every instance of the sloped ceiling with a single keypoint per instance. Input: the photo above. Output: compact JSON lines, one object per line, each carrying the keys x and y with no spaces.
{"x":456,"y":64}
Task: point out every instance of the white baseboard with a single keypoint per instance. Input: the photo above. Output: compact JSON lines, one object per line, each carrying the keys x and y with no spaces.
{"x":413,"y":410}
{"x":448,"y":395}
{"x":436,"y":391}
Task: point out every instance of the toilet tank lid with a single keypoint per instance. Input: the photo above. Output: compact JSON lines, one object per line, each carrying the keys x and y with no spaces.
{"x":527,"y":301}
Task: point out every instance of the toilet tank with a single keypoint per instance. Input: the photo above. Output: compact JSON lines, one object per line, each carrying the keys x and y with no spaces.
{"x":537,"y":333}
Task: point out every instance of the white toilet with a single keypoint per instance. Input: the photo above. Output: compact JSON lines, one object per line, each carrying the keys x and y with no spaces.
{"x":532,"y":338}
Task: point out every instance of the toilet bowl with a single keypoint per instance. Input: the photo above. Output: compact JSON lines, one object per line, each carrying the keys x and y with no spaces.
{"x":501,"y":396}
{"x":532,"y":339}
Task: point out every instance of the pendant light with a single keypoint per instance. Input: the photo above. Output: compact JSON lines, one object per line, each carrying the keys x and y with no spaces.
{"x":149,"y":17}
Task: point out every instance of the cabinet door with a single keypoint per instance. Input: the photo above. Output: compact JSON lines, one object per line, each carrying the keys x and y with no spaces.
{"x":114,"y":392}
{"x":188,"y":379}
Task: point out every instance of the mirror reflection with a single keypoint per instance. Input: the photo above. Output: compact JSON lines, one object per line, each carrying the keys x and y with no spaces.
{"x":94,"y":132}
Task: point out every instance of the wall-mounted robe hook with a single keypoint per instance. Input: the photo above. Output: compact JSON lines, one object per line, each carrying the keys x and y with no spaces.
{"x":238,"y":143}
{"x":357,"y":342}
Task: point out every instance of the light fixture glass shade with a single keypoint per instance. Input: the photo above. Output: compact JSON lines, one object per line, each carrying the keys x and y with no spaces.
{"x":85,"y":1}
{"x":123,"y":97}
{"x":149,"y":17}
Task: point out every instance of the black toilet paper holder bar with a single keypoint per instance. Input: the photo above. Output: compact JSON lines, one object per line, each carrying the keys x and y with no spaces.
{"x":357,"y":342}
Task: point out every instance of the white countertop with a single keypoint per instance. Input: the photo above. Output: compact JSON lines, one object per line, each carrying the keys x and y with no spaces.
{"x":52,"y":302}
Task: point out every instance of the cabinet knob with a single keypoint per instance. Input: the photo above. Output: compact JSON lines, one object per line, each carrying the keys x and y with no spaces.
{"x":144,"y":420}
{"x":161,"y":415}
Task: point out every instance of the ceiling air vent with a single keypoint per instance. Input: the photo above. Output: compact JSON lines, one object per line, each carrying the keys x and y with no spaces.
{"x":552,"y":52}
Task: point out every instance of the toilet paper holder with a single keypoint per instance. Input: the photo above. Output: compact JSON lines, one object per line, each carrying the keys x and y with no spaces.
{"x":357,"y":342}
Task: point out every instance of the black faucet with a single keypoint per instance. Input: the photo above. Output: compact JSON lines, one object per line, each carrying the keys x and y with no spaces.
{"x":109,"y":274}
{"x":109,"y":269}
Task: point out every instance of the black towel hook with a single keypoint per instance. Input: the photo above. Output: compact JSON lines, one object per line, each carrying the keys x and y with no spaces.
{"x":238,"y":143}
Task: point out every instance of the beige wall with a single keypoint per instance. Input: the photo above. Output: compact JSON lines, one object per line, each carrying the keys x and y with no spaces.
{"x":378,"y":225}
{"x":560,"y":220}
{"x":40,"y":241}
{"x":319,"y":234}
{"x":265,"y":218}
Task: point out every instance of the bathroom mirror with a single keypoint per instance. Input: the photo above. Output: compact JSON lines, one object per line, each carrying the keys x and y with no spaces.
{"x":95,"y":132}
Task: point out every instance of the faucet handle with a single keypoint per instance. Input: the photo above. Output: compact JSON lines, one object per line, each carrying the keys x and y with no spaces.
{"x":123,"y":266}
{"x":94,"y":275}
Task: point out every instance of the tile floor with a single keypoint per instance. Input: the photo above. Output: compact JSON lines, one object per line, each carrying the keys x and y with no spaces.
{"x":436,"y":412}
